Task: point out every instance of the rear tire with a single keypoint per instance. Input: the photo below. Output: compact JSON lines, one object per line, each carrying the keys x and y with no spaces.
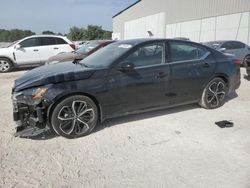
{"x":74,"y":117}
{"x":214,"y":94}
{"x":5,"y":65}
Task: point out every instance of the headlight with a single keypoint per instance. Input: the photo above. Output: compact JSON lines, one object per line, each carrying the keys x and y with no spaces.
{"x":37,"y":94}
{"x":30,"y":96}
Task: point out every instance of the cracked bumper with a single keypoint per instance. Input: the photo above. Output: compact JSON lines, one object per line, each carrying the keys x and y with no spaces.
{"x":30,"y":119}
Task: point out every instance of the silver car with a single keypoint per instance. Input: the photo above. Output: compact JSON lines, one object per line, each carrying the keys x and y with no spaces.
{"x":239,"y":49}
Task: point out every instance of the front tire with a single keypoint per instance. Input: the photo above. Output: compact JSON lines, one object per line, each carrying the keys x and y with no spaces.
{"x":5,"y":65}
{"x":214,"y":94}
{"x":74,"y":117}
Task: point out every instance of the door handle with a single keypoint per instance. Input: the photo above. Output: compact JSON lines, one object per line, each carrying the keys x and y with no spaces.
{"x":206,"y":65}
{"x":35,"y":50}
{"x":56,"y":48}
{"x":161,"y":75}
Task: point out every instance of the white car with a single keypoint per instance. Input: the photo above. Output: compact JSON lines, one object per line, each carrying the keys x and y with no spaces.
{"x":33,"y":51}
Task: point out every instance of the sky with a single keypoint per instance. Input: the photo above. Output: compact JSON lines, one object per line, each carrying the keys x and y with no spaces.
{"x":58,"y":15}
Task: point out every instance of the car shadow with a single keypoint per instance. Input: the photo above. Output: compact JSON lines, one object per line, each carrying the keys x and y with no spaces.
{"x":22,"y":69}
{"x":130,"y":118}
{"x":141,"y":116}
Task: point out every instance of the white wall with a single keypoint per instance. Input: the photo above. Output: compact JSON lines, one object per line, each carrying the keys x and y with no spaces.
{"x":227,"y":27}
{"x":139,"y":28}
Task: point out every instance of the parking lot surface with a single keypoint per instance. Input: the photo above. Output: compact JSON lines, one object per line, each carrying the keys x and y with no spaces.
{"x":178,"y":147}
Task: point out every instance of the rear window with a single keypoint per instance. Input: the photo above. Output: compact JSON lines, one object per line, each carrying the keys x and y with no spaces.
{"x":60,"y":41}
{"x":233,"y":45}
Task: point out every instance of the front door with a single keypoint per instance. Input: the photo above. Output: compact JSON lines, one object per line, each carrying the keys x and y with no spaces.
{"x":146,"y":86}
{"x":29,"y":52}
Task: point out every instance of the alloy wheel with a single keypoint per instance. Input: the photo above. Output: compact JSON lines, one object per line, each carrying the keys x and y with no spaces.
{"x":76,"y":117}
{"x":216,"y":93}
{"x":4,"y":65}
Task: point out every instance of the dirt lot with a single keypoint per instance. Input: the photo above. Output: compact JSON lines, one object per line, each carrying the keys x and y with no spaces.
{"x":179,"y":147}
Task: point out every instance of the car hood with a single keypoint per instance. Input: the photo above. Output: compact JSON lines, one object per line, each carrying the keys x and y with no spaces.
{"x":4,"y":49}
{"x":53,"y":73}
{"x":67,"y":56}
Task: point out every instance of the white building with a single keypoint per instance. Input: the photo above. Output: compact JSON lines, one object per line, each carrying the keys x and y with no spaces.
{"x":198,"y":20}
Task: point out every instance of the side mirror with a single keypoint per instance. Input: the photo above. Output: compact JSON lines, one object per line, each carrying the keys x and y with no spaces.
{"x":18,"y":46}
{"x":222,"y":49}
{"x":126,"y":66}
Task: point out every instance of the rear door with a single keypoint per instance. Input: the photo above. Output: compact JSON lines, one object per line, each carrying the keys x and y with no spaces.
{"x":29,"y":53}
{"x":191,"y":67}
{"x":52,"y":46}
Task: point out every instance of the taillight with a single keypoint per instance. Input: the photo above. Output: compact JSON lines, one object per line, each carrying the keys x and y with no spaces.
{"x":73,"y":46}
{"x":237,"y":61}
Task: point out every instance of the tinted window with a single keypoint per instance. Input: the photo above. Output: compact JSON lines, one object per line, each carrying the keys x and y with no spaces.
{"x":46,"y":41}
{"x":60,"y":41}
{"x":183,"y":51}
{"x":105,"y":56}
{"x":30,"y":43}
{"x":152,"y":54}
{"x":233,"y":45}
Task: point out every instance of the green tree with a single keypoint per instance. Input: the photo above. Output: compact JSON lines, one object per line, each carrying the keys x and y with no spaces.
{"x":48,"y":33}
{"x":76,"y":33}
{"x":107,"y":35}
{"x":14,"y":34}
{"x":92,"y":32}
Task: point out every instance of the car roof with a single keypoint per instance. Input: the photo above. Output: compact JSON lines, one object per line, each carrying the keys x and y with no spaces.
{"x":46,"y":36}
{"x":134,"y":42}
{"x":222,"y":41}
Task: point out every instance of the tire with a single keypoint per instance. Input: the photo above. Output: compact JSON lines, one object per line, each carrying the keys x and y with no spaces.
{"x":214,"y":94}
{"x":74,"y":117}
{"x":246,"y":61}
{"x":5,"y":65}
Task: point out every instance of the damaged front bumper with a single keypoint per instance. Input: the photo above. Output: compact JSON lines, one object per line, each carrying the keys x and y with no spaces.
{"x":29,"y":115}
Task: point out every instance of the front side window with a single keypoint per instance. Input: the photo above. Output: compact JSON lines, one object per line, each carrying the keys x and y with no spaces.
{"x":184,"y":51}
{"x":31,"y":42}
{"x":151,"y":54}
{"x":227,"y":45}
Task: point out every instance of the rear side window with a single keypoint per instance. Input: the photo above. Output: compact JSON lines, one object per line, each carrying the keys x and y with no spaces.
{"x":46,"y":41}
{"x":60,"y":41}
{"x":181,"y":51}
{"x":31,"y":42}
{"x":233,"y":45}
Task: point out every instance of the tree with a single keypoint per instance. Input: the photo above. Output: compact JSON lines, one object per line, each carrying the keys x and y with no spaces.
{"x":92,"y":32}
{"x":48,"y":33}
{"x":14,"y":34}
{"x":107,"y":35}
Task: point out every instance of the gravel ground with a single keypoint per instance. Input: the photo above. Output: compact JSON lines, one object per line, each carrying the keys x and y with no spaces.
{"x":178,"y":147}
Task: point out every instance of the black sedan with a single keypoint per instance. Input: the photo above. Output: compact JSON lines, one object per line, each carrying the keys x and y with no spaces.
{"x":123,"y":78}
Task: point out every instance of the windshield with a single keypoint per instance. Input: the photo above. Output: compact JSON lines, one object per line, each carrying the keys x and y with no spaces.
{"x":107,"y":55}
{"x":214,"y":45}
{"x":88,"y":47}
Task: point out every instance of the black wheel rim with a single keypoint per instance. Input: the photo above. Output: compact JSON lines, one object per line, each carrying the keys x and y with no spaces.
{"x":216,"y":94}
{"x":76,"y":118}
